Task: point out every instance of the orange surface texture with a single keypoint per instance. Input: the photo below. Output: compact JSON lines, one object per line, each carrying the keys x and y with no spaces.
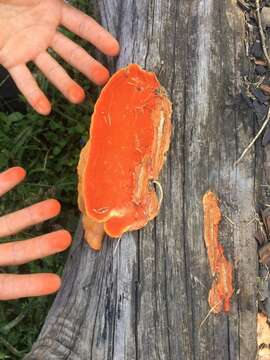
{"x":129,"y":137}
{"x":221,"y":269}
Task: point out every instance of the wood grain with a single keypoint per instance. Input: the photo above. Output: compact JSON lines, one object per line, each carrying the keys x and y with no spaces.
{"x":148,"y":300}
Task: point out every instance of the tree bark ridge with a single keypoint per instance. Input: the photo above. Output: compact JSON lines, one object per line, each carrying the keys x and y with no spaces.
{"x":148,"y":300}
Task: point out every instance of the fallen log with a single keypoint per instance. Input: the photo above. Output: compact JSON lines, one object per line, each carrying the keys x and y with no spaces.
{"x":148,"y":298}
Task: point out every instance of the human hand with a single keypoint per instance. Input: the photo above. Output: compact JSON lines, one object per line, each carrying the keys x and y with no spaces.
{"x":30,"y":27}
{"x":20,"y":252}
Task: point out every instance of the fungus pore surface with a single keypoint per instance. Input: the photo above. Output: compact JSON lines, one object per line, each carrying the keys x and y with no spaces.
{"x":129,"y":137}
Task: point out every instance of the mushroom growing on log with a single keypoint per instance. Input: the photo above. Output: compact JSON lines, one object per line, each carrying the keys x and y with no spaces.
{"x":129,"y":137}
{"x":148,"y":299}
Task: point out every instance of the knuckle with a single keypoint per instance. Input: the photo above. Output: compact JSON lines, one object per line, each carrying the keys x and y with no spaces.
{"x":82,"y":27}
{"x":32,"y":93}
{"x":2,"y":286}
{"x":75,"y":53}
{"x":56,"y":41}
{"x":52,"y":70}
{"x":13,"y":253}
{"x":33,"y":96}
{"x":7,"y":225}
{"x":5,"y":60}
{"x":30,"y":215}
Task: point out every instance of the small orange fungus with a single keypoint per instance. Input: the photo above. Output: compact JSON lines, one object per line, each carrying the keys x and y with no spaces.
{"x":221,"y":269}
{"x":129,"y":137}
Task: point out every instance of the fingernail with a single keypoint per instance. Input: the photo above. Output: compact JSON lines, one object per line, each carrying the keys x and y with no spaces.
{"x":43,"y":106}
{"x":18,"y":172}
{"x":14,"y":174}
{"x":52,"y":284}
{"x":115,"y":48}
{"x":76,"y":93}
{"x":48,"y":208}
{"x":100,"y":76}
{"x":61,"y":239}
{"x":54,"y":206}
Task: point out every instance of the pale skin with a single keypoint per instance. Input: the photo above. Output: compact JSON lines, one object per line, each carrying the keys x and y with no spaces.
{"x":30,"y":27}
{"x":23,"y":251}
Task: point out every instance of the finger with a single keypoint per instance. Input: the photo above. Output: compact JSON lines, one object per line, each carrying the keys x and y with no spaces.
{"x":10,"y":178}
{"x":18,"y":286}
{"x":88,"y":29}
{"x":13,"y":223}
{"x":80,"y":59}
{"x":21,"y":252}
{"x":58,"y":76}
{"x":30,"y":89}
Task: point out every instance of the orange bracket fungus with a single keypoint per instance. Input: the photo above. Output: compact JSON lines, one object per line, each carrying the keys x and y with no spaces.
{"x":221,"y":269}
{"x":129,"y":137}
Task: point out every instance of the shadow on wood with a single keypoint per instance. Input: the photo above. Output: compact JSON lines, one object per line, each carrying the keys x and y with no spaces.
{"x":147,"y":301}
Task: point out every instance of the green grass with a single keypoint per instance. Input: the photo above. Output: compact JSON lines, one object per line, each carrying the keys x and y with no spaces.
{"x":48,"y":148}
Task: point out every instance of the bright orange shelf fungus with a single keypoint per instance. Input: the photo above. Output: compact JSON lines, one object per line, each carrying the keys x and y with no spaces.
{"x":222,"y":289}
{"x":129,"y":137}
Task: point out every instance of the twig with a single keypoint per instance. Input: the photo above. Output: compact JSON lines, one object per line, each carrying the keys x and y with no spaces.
{"x":4,"y":80}
{"x":259,"y":82}
{"x":6,"y":328}
{"x":229,"y":220}
{"x":46,"y":160}
{"x":262,"y":32}
{"x":10,"y":348}
{"x":116,"y":247}
{"x":209,"y":313}
{"x":255,"y":138}
{"x":261,"y":295}
{"x":268,"y":272}
{"x":255,"y":218}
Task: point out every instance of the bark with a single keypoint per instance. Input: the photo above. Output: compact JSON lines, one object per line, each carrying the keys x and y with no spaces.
{"x":146,"y":300}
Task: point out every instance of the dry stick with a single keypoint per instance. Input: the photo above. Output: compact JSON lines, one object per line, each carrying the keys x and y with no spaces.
{"x":230,"y":220}
{"x":12,"y":323}
{"x":255,"y":138}
{"x":262,"y":32}
{"x":116,"y":247}
{"x":268,"y":272}
{"x":10,"y":348}
{"x":210,"y":312}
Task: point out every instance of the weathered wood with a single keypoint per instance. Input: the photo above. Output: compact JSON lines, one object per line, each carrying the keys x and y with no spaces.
{"x":148,"y":300}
